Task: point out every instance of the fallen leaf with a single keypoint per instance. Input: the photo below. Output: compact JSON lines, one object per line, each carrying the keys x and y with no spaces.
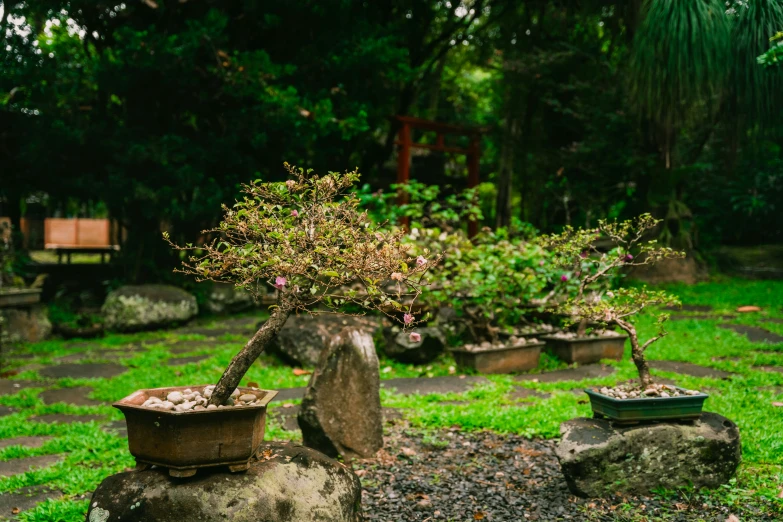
{"x":299,"y":371}
{"x":778,"y":404}
{"x":252,"y":384}
{"x":289,"y":405}
{"x":15,"y":511}
{"x":745,"y":309}
{"x":732,"y":518}
{"x":150,"y":3}
{"x":360,"y":472}
{"x":680,"y":506}
{"x":478,"y":515}
{"x":408,"y":452}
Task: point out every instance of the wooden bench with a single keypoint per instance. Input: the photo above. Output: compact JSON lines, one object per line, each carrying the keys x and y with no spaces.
{"x":80,"y":236}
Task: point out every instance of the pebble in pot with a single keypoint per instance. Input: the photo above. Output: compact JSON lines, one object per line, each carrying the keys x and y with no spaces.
{"x":195,"y":400}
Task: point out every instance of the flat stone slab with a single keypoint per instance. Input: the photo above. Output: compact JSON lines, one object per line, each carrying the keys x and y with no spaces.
{"x":24,"y":499}
{"x":527,"y":393}
{"x":778,"y":369}
{"x":689,"y":308}
{"x":289,"y":394}
{"x":701,"y":317}
{"x":180,"y":361}
{"x":754,"y":333}
{"x":588,"y":371}
{"x":99,"y":354}
{"x":694,"y":370}
{"x":9,"y":387}
{"x":426,"y":386}
{"x":5,"y":410}
{"x":29,"y":442}
{"x":216,"y":332}
{"x":17,"y":466}
{"x":76,"y":396}
{"x":64,"y":418}
{"x":83,"y":371}
{"x":119,"y":428}
{"x":775,"y":320}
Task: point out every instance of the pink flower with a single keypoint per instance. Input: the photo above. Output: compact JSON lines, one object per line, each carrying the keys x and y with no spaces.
{"x":583,"y":255}
{"x":421,"y":260}
{"x":415,"y":337}
{"x":407,"y":318}
{"x":564,"y":278}
{"x":295,"y":213}
{"x":397,"y":276}
{"x":280,"y":282}
{"x":628,"y":257}
{"x":541,"y":263}
{"x":290,"y":184}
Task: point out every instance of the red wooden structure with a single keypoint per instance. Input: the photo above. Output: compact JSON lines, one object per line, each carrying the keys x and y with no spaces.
{"x":472,"y":152}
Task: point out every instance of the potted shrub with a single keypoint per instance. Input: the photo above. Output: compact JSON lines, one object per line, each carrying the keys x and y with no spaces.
{"x":575,"y":250}
{"x":487,"y":283}
{"x":307,"y":238}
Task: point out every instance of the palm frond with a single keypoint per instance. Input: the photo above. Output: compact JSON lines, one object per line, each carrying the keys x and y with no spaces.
{"x":757,"y":89}
{"x":680,"y":58}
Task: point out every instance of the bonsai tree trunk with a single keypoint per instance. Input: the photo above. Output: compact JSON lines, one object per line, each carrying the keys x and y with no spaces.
{"x":242,"y":361}
{"x":637,"y":352}
{"x":581,"y":330}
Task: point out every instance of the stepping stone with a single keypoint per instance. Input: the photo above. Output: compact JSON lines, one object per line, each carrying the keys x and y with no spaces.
{"x":426,"y":386}
{"x":775,"y":320}
{"x":119,"y":428}
{"x":588,"y":371}
{"x":217,"y":332}
{"x":9,"y":387}
{"x":694,"y":370}
{"x":77,"y":396}
{"x":100,"y":354}
{"x":179,"y":361}
{"x":778,"y":390}
{"x":84,"y":371}
{"x":754,"y":333}
{"x":64,"y":418}
{"x":700,"y":317}
{"x":527,"y":393}
{"x":289,"y":394}
{"x":689,"y":308}
{"x":5,"y":410}
{"x":17,"y":466}
{"x":24,"y":499}
{"x":29,"y":442}
{"x":727,"y":358}
{"x":778,"y":369}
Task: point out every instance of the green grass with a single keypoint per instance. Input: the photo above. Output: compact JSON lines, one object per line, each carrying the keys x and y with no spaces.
{"x":90,"y":454}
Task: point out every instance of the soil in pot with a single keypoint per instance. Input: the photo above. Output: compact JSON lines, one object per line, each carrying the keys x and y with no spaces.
{"x":516,"y":355}
{"x":602,"y":344}
{"x":631,"y":403}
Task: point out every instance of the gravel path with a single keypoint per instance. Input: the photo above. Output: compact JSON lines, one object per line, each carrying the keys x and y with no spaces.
{"x":456,"y":476}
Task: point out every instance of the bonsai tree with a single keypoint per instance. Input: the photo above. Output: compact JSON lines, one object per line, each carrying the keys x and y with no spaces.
{"x":308,"y":239}
{"x":488,"y":281}
{"x":575,"y":250}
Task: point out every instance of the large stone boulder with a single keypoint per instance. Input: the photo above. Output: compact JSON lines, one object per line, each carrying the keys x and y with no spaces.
{"x":400,"y":347}
{"x":287,"y":483}
{"x":28,"y":324}
{"x":304,"y":337}
{"x":147,"y":307}
{"x":600,"y":459}
{"x":341,"y":410}
{"x":223,"y":298}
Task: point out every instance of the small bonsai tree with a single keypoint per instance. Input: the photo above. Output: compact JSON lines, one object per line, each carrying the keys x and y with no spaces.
{"x":576,"y":250}
{"x":307,"y":238}
{"x":488,"y":281}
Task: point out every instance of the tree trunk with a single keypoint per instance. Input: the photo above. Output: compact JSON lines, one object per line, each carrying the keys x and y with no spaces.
{"x":242,"y":361}
{"x":637,"y":352}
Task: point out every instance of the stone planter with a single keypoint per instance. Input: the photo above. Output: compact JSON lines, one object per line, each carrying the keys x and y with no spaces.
{"x":505,"y":359}
{"x":13,"y":297}
{"x":646,"y":409}
{"x":586,"y":350}
{"x":186,"y":441}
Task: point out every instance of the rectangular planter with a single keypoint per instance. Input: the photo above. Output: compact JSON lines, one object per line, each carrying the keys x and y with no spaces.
{"x":647,"y":409}
{"x":586,"y":350}
{"x":19,"y":297}
{"x":507,"y":359}
{"x":185,"y":441}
